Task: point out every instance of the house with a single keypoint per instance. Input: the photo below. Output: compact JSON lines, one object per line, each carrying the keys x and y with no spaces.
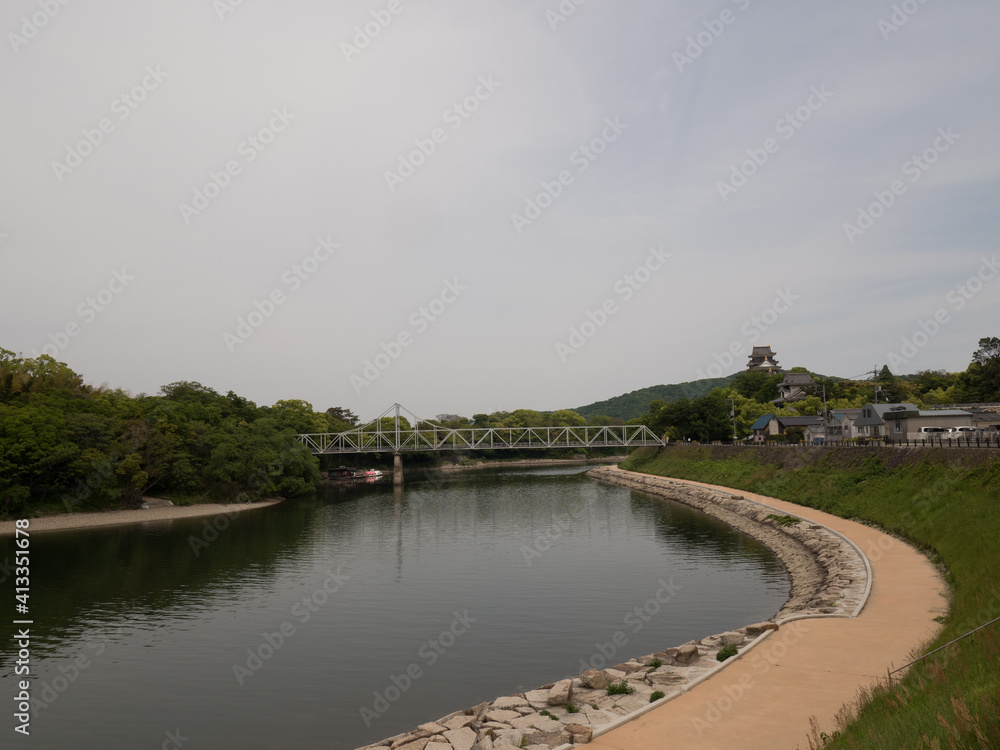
{"x":870,"y":424}
{"x":793,"y":388}
{"x":900,"y":422}
{"x":905,"y":423}
{"x":841,"y":425}
{"x":761,"y":428}
{"x":815,"y":434}
{"x":762,"y":360}
{"x":769,"y":424}
{"x":812,"y":424}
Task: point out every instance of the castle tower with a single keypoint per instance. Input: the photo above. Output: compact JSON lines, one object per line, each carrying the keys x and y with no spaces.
{"x":762,"y":360}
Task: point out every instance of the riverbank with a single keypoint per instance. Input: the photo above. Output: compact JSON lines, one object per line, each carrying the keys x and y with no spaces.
{"x":942,"y":501}
{"x":532,"y":462}
{"x":830,"y":578}
{"x":792,"y":688}
{"x":161,"y":514}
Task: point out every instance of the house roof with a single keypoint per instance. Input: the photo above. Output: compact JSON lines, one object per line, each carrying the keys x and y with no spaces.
{"x":762,"y":422}
{"x":944,"y":413}
{"x":762,"y":351}
{"x":800,"y":421}
{"x":797,"y":378}
{"x":849,"y":413}
{"x":878,"y":412}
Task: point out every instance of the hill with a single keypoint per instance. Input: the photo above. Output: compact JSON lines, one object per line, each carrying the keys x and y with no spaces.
{"x":635,"y":404}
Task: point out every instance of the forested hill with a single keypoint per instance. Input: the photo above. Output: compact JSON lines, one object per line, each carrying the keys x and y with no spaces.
{"x":635,"y":404}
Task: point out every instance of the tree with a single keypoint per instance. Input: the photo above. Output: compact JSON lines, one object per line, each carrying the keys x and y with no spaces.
{"x":566,"y":418}
{"x":892,"y":389}
{"x":988,"y":351}
{"x":343,"y":415}
{"x":706,"y":418}
{"x":599,"y":420}
{"x":760,"y":386}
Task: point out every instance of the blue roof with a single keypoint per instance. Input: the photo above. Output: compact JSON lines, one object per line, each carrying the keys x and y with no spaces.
{"x":762,"y":421}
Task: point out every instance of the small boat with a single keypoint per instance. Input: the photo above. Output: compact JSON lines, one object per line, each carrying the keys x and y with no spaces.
{"x":373,"y":474}
{"x":342,"y":472}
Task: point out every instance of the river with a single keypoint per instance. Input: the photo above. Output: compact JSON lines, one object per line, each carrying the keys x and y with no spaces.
{"x":337,"y":620}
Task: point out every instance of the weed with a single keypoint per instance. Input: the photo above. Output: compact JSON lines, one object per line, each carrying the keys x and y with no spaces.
{"x":620,"y":688}
{"x":783,"y":520}
{"x":572,"y":708}
{"x":726,"y":651}
{"x":656,"y":696}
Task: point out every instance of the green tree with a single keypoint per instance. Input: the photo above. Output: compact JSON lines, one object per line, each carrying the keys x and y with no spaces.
{"x":759,"y":386}
{"x":988,"y":353}
{"x":566,"y":418}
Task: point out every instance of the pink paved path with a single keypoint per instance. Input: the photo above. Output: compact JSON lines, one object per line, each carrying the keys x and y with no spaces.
{"x":809,"y":667}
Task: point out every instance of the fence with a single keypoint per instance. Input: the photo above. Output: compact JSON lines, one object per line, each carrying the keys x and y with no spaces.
{"x":978,"y":441}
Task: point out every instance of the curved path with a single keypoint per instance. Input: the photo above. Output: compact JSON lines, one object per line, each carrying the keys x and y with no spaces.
{"x":808,"y":668}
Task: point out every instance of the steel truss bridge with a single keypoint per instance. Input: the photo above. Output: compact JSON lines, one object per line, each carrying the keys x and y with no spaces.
{"x":379,"y":436}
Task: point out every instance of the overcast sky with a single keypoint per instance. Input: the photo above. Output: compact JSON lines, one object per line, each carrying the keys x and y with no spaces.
{"x":359,"y":203}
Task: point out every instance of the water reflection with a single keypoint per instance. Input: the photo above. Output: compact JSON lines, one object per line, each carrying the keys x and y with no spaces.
{"x":548,"y":563}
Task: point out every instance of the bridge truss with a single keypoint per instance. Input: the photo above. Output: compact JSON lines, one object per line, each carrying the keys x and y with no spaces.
{"x":382,"y":436}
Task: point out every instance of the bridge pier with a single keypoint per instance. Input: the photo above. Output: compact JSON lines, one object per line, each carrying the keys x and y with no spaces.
{"x":397,"y":469}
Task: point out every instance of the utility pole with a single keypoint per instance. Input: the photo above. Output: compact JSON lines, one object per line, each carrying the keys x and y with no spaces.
{"x":732,"y":413}
{"x":874,"y":373}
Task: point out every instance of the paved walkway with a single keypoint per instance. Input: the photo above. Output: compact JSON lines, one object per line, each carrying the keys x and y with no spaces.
{"x":809,"y":667}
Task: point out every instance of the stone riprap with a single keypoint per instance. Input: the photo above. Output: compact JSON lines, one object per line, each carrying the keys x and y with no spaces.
{"x":829,"y":578}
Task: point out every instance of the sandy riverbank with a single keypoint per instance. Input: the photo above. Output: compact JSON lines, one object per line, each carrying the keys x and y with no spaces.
{"x":70,"y":521}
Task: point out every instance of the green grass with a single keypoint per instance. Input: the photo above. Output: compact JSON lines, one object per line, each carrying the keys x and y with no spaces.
{"x":784,"y":520}
{"x":572,"y":708}
{"x":946,"y":503}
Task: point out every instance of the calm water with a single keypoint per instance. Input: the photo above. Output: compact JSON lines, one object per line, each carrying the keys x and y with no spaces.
{"x":450,"y":592}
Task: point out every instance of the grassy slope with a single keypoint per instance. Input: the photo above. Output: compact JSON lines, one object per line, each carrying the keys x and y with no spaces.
{"x":946,"y":502}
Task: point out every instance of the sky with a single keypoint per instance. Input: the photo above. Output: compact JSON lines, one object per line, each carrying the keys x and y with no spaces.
{"x":469,"y":207}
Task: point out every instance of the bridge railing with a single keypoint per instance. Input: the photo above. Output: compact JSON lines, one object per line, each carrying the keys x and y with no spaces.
{"x":376,"y":438}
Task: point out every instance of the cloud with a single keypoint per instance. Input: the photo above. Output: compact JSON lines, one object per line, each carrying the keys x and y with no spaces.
{"x":354,"y":117}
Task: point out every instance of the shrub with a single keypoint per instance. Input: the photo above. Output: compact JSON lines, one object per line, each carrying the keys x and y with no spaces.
{"x":620,"y":688}
{"x":656,"y":696}
{"x":726,"y":651}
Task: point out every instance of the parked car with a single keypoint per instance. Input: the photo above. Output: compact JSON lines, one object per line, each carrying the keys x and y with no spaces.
{"x":959,"y":430}
{"x":926,"y":430}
